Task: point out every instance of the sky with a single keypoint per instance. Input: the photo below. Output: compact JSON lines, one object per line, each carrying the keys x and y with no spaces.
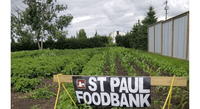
{"x":106,"y":16}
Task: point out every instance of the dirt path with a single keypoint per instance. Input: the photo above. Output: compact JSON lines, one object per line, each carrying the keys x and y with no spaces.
{"x":120,"y":70}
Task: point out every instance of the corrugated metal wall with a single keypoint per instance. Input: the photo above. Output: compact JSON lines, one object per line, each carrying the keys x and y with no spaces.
{"x":151,"y":39}
{"x":170,"y":37}
{"x":180,"y":37}
{"x":167,"y":38}
{"x":158,"y":38}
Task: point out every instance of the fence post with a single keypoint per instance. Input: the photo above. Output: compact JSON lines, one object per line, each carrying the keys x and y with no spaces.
{"x":161,"y":38}
{"x":148,"y":39}
{"x":154,"y":38}
{"x":172,"y":37}
{"x":187,"y":37}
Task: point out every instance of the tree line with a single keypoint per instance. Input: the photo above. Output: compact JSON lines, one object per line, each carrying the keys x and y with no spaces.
{"x":39,"y":27}
{"x":138,"y":36}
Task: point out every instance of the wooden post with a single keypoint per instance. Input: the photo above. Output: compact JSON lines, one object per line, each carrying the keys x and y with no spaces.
{"x":172,"y":37}
{"x":154,"y":38}
{"x":161,"y":38}
{"x":148,"y":39}
{"x":187,"y":43}
{"x":155,"y":81}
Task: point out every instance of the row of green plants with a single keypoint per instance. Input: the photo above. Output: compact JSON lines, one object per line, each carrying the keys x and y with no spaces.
{"x":111,"y":62}
{"x":179,"y":94}
{"x":39,"y":53}
{"x":96,"y":65}
{"x":93,"y":67}
{"x":25,"y":71}
{"x":75,"y":66}
{"x":38,"y":67}
{"x":26,"y":80}
{"x":163,"y":65}
{"x":125,"y":62}
{"x":146,"y":63}
{"x":88,"y":62}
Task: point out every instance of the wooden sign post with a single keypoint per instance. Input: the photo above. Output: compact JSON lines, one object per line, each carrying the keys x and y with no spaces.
{"x":155,"y":81}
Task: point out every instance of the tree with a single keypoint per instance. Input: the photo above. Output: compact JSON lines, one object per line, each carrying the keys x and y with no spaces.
{"x":13,"y":28}
{"x":150,"y":17}
{"x":96,"y":34}
{"x":139,"y":32}
{"x":42,"y":16}
{"x":60,"y":35}
{"x":26,"y":41}
{"x":77,"y":34}
{"x":81,"y":34}
{"x":110,"y":39}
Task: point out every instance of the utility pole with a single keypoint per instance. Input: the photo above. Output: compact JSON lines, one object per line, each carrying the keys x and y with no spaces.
{"x":166,"y":8}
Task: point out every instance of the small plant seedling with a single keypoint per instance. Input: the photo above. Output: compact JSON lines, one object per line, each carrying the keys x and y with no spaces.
{"x":34,"y":107}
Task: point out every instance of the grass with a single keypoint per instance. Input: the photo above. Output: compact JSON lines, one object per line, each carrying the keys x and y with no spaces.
{"x":177,"y":62}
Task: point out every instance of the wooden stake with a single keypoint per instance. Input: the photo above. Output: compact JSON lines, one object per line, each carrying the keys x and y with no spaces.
{"x":154,"y":38}
{"x":161,"y":38}
{"x":172,"y":37}
{"x":187,"y":43}
{"x":148,"y":39}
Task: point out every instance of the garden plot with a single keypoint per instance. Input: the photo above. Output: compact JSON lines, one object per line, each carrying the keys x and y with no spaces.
{"x":113,"y":61}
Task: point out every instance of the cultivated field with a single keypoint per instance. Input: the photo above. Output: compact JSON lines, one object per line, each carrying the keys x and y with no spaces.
{"x":32,"y":71}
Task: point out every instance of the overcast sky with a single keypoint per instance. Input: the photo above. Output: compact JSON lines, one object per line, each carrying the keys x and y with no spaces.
{"x":107,"y":16}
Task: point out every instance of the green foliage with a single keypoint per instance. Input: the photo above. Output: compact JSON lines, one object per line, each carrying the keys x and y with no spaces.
{"x":67,"y":43}
{"x":14,"y":79}
{"x":26,"y":84}
{"x":38,"y":17}
{"x":60,"y":36}
{"x":14,"y":25}
{"x":150,"y":17}
{"x":137,"y":38}
{"x":46,"y":63}
{"x":111,"y":45}
{"x":42,"y":93}
{"x":123,"y":40}
{"x":110,"y":40}
{"x":95,"y":66}
{"x":126,"y":65}
{"x":81,"y":34}
{"x":34,"y":107}
{"x":64,"y":100}
{"x":75,"y":66}
{"x":96,"y":34}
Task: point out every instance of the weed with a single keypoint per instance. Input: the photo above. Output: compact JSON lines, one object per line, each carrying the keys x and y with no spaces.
{"x":34,"y":107}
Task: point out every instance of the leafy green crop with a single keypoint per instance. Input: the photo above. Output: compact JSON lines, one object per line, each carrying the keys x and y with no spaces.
{"x":95,"y":65}
{"x":28,"y":65}
{"x":26,"y":84}
{"x":64,"y":100}
{"x":42,"y":93}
